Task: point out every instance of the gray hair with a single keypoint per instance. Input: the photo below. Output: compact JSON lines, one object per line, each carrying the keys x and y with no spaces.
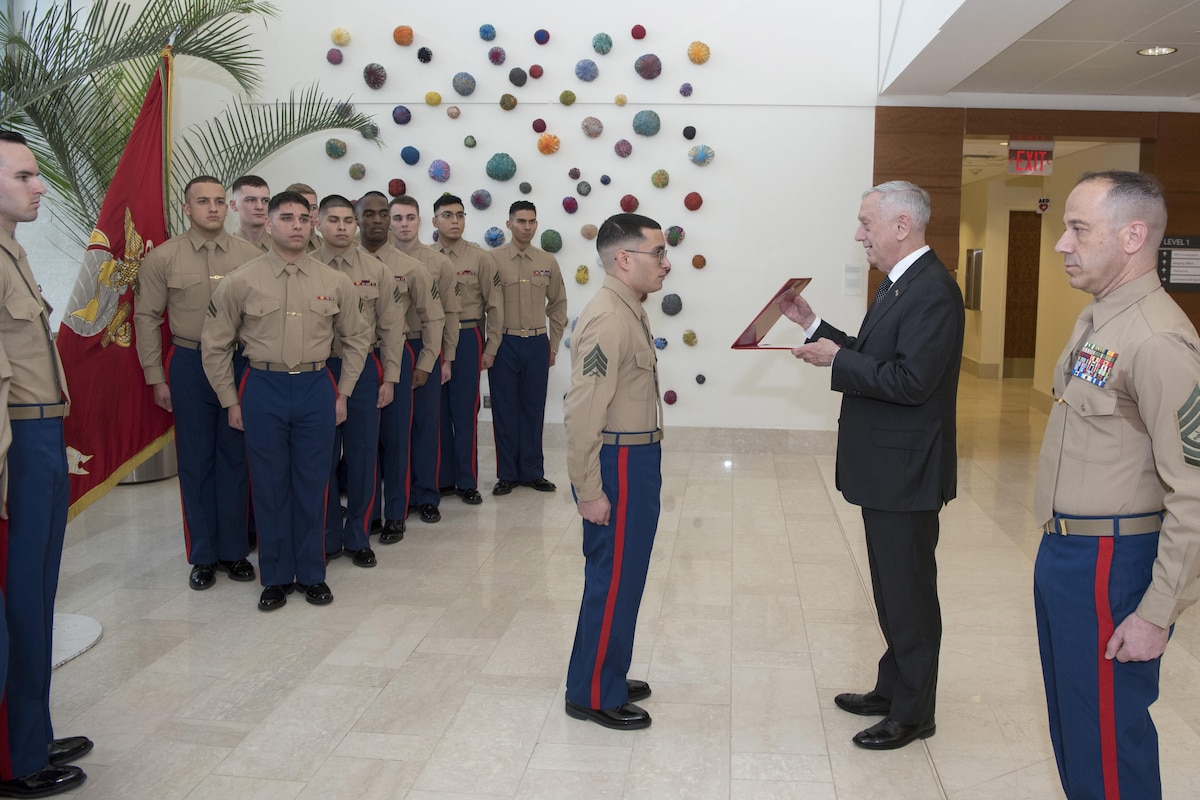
{"x":903,"y":197}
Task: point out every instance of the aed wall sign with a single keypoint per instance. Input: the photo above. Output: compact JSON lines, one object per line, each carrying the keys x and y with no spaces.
{"x":1030,"y":157}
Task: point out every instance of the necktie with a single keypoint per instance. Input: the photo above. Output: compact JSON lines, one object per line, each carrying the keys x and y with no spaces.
{"x":293,"y":326}
{"x":884,"y":286}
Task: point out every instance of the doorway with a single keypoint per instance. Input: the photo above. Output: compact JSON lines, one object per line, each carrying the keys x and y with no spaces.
{"x":1021,"y":293}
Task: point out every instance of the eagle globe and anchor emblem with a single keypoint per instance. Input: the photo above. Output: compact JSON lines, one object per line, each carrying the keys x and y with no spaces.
{"x":96,"y":307}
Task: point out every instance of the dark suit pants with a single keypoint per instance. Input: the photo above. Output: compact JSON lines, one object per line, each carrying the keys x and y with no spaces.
{"x":900,"y":550}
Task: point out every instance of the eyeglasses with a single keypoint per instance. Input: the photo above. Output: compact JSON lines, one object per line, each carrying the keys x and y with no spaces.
{"x":660,"y":253}
{"x":449,"y":215}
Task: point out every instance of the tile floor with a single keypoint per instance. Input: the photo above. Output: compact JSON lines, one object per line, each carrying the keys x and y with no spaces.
{"x":439,"y":674}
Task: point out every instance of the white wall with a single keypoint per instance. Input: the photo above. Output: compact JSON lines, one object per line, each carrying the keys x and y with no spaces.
{"x":787,"y":101}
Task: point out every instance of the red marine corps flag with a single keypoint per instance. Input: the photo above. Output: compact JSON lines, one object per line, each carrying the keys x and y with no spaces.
{"x":114,"y":425}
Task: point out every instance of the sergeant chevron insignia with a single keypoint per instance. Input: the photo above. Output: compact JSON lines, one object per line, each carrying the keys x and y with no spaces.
{"x":595,"y":364}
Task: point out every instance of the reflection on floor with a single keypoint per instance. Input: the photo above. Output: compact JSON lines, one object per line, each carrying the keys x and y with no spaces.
{"x":439,"y":674}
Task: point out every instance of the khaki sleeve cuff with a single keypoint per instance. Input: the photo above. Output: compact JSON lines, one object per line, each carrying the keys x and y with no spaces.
{"x":154,"y":375}
{"x":1159,"y":608}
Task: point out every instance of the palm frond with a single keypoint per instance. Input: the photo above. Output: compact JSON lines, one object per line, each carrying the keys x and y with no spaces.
{"x":244,"y":134}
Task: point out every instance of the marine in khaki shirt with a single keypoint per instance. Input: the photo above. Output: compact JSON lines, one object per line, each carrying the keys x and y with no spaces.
{"x":177,"y":278}
{"x":382,"y":302}
{"x":252,"y":304}
{"x":477,"y":285}
{"x":614,"y":457}
{"x":38,"y":492}
{"x":406,"y":227}
{"x":1118,"y":491}
{"x":248,"y":199}
{"x":533,"y":294}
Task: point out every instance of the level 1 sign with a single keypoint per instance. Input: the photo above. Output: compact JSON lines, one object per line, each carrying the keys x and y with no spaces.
{"x":1179,"y":263}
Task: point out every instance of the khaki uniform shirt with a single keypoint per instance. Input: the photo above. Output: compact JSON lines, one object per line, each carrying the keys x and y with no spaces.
{"x":478,"y":287}
{"x":251,"y":305}
{"x":614,"y":382}
{"x":423,"y":312}
{"x":178,"y":277}
{"x":1132,"y":446}
{"x":37,"y":372}
{"x":533,"y":290}
{"x":262,"y":244}
{"x":381,"y":305}
{"x":441,"y":272}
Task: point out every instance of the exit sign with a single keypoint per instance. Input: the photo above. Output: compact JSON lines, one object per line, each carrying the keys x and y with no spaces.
{"x":1030,"y":158}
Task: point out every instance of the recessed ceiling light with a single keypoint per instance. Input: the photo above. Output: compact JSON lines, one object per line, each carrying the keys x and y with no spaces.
{"x":1157,"y":50}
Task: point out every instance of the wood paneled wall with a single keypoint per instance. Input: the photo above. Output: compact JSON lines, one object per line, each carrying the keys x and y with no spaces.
{"x":924,"y":145}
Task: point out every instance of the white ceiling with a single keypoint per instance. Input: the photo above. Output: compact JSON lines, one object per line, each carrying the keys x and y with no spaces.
{"x":1086,"y":47}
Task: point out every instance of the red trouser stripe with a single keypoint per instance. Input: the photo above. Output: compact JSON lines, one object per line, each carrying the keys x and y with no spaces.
{"x":614,"y":584}
{"x":1107,"y":704}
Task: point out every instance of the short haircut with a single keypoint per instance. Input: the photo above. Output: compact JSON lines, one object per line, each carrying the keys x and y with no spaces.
{"x":335,"y":201}
{"x":200,"y":179}
{"x":903,"y":197}
{"x":522,"y":205}
{"x":253,"y":181}
{"x":301,"y":188}
{"x":13,"y":136}
{"x":286,"y":197}
{"x":358,"y":204}
{"x":620,"y":230}
{"x":406,"y":200}
{"x":447,"y":200}
{"x":1133,"y":196}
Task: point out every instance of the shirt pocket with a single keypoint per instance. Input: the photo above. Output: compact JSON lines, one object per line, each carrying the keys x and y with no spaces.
{"x":642,"y":383}
{"x":324,"y":308}
{"x":262,"y":307}
{"x":1093,"y":430}
{"x":188,"y":290}
{"x":23,"y":308}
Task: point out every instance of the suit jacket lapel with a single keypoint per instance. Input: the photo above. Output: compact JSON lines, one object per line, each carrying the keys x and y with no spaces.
{"x":889,"y":300}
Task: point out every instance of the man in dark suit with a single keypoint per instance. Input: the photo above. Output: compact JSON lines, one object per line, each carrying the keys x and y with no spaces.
{"x":896,"y":453}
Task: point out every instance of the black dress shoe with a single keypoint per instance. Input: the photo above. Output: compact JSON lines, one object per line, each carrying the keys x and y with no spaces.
{"x":332,"y":554}
{"x":622,"y":718}
{"x":64,"y":751}
{"x":362,"y":558}
{"x":393,"y":531}
{"x":376,"y":527}
{"x":541,"y":484}
{"x":203,"y":576}
{"x":446,"y":491}
{"x":638,"y":690}
{"x":274,"y":597}
{"x":430,"y":513}
{"x":889,"y":734}
{"x":470,"y":496}
{"x":317,"y":593}
{"x":502,"y":487}
{"x":867,"y":705}
{"x":44,"y":782}
{"x":240,"y":570}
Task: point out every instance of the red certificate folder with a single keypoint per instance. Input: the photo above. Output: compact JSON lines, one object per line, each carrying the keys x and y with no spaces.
{"x":757,"y":330}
